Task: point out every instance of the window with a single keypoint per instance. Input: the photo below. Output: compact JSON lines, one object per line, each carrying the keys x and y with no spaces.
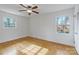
{"x":63,"y":24}
{"x":9,"y":22}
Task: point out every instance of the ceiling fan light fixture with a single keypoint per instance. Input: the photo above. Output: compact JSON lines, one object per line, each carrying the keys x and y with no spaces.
{"x":29,"y":11}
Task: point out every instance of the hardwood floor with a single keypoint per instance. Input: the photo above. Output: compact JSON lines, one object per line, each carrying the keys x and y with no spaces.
{"x":53,"y":48}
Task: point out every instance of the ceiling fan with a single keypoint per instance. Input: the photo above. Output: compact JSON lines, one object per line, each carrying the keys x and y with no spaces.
{"x":30,"y":9}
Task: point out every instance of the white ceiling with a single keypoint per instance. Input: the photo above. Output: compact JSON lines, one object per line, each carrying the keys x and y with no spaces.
{"x":43,"y":8}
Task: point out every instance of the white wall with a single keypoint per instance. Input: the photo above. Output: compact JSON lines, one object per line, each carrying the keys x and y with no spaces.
{"x":44,"y":26}
{"x":21,"y":29}
{"x":76,"y":35}
{"x":41,"y":26}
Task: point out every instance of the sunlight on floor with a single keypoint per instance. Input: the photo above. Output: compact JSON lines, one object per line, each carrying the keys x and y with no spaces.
{"x":20,"y":49}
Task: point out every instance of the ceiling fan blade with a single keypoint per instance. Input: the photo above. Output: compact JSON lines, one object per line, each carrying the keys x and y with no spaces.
{"x":29,"y":6}
{"x":35,"y":12}
{"x":22,"y":5}
{"x":29,"y":13}
{"x":34,"y":7}
{"x":22,"y":10}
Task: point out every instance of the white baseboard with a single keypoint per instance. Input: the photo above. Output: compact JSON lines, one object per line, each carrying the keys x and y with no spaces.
{"x":13,"y":38}
{"x":50,"y":40}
